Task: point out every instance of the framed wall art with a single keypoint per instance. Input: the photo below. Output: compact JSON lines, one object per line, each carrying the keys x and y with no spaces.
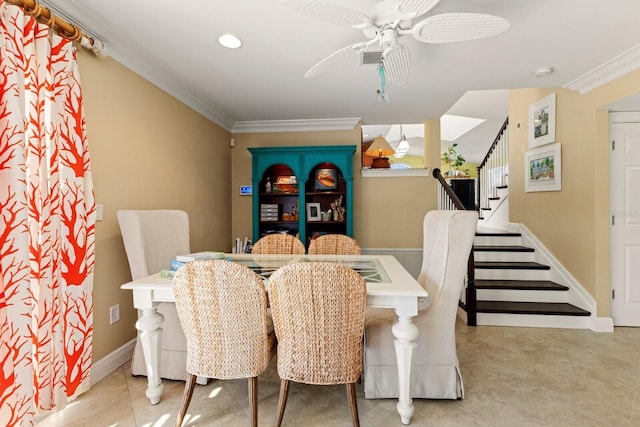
{"x":542,"y":121}
{"x":326,"y":179}
{"x":543,"y":169}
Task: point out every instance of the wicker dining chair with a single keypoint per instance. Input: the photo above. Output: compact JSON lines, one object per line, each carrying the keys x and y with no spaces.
{"x":318,"y":315}
{"x":334,"y":244}
{"x":222,"y":307}
{"x":278,"y":243}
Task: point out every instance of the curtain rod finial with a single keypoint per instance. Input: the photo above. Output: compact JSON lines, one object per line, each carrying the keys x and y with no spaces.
{"x":95,"y":46}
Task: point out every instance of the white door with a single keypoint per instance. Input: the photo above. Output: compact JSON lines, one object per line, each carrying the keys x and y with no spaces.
{"x":625,"y":228}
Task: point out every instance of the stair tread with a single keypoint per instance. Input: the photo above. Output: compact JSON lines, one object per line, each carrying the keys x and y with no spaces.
{"x":497,"y":234}
{"x":501,"y":248}
{"x":533,"y":285}
{"x":513,"y":265}
{"x":545,"y":308}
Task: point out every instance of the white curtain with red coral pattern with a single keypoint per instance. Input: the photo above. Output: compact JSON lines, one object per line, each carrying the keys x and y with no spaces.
{"x":47,"y":223}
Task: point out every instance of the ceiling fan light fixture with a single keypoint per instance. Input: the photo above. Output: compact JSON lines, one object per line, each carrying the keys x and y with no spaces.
{"x":387,"y":22}
{"x":230,"y":41}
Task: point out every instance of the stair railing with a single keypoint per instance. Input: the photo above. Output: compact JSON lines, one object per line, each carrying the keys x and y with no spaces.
{"x":493,"y":171}
{"x":449,"y":201}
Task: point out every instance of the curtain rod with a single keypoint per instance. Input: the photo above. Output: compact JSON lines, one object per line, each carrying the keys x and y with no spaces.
{"x":65,"y":29}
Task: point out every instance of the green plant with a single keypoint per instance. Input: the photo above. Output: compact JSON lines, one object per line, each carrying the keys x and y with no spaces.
{"x":452,"y":158}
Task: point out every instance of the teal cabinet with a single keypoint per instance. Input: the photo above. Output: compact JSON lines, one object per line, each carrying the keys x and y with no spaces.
{"x":305,"y":191}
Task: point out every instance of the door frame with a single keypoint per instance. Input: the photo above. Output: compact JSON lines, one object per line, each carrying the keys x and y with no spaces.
{"x":616,"y":117}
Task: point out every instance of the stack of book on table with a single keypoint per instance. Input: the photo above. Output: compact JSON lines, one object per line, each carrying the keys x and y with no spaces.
{"x":180,"y":260}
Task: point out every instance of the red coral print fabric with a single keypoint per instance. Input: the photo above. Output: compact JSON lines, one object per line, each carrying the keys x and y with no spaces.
{"x":47,"y":223}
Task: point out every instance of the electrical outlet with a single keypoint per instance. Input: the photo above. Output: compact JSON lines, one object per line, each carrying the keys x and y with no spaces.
{"x":114,"y":314}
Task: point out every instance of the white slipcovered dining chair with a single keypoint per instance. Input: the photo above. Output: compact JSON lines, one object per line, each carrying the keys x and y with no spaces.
{"x":151,"y":239}
{"x":448,"y":239}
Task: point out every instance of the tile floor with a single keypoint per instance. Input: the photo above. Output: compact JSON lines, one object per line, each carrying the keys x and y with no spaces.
{"x":512,"y":376}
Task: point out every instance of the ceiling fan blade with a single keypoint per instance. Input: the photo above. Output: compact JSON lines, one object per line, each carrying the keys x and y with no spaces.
{"x":337,"y":57}
{"x":328,"y":12}
{"x":420,"y":7}
{"x":458,"y":27}
{"x":397,"y":64}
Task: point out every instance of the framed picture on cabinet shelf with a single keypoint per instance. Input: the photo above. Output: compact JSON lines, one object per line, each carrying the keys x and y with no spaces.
{"x":326,"y":179}
{"x":313,"y":211}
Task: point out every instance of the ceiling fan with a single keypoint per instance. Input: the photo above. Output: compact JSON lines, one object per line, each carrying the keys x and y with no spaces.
{"x":390,"y":20}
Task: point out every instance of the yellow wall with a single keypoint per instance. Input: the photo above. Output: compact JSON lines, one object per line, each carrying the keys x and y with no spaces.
{"x":411,"y":161}
{"x":472,"y":167}
{"x":148,"y":151}
{"x":573,"y":223}
{"x":388,"y":212}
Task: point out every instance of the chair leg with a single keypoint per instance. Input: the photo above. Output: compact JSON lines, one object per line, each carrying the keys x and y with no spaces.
{"x":353,"y":403}
{"x":253,"y":400}
{"x":186,"y":398}
{"x":282,"y":400}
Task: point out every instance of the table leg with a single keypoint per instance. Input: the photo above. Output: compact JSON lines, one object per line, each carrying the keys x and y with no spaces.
{"x":149,"y":325}
{"x":406,"y":334}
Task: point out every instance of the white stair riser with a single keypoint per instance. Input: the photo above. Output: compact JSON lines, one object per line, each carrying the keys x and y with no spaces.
{"x":533,"y":320}
{"x":504,"y":256}
{"x":497,"y":241}
{"x":500,"y":274}
{"x":521,"y":295}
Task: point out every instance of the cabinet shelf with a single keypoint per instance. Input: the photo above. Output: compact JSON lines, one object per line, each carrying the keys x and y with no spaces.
{"x":278,"y":222}
{"x":325,"y":193}
{"x":278,"y":194}
{"x":325,"y":222}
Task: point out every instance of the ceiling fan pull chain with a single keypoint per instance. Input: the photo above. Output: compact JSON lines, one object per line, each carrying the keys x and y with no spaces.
{"x":382,"y":93}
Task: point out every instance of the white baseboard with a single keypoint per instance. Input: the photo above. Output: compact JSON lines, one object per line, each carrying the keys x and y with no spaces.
{"x":602,"y":324}
{"x":111,"y":362}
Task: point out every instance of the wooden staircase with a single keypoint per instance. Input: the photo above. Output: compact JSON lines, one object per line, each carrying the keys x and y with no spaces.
{"x":513,"y":288}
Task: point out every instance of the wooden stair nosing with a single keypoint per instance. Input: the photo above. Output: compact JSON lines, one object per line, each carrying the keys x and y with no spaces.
{"x":529,"y":285}
{"x":510,"y":265}
{"x":541,"y":308}
{"x":490,"y":248}
{"x":497,"y":234}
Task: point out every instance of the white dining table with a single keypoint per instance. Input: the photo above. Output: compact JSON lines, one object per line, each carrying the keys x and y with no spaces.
{"x":389,"y":285}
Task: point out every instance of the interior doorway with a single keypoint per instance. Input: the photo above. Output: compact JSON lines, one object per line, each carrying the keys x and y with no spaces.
{"x":625,"y":211}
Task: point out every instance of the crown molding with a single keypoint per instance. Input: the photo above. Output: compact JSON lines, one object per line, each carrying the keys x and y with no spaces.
{"x":315,"y":125}
{"x":614,"y":68}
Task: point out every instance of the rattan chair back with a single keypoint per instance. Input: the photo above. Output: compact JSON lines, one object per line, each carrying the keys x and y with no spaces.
{"x":334,"y":244}
{"x":222,"y":307}
{"x":278,"y":243}
{"x":318,"y":315}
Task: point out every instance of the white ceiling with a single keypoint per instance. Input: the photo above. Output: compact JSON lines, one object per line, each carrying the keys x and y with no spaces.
{"x":173,"y":44}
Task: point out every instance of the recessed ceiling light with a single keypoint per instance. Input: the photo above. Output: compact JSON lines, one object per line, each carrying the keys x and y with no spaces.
{"x":230,"y":41}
